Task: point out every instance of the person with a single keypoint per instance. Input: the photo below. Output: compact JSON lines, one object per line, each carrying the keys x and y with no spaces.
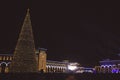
{"x":42,"y":71}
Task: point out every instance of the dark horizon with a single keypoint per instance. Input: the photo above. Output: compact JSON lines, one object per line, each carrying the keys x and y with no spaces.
{"x":84,"y":35}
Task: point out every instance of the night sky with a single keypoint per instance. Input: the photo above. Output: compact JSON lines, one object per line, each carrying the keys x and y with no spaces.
{"x":84,"y":35}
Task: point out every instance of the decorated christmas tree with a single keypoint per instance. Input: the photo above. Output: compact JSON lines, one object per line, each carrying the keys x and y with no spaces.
{"x":24,"y":59}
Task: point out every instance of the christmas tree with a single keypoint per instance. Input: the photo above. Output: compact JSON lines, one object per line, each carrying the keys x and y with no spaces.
{"x":24,"y":59}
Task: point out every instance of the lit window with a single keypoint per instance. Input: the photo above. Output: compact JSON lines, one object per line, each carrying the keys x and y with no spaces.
{"x":0,"y":57}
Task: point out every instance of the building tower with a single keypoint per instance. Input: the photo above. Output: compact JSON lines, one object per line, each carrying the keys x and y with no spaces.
{"x":24,"y":59}
{"x":42,"y":56}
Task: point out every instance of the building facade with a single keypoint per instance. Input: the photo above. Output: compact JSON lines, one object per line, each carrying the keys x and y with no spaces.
{"x":47,"y":66}
{"x":5,"y":60}
{"x":108,"y":66}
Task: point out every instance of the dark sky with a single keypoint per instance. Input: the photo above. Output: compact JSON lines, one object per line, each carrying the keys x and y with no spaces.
{"x":84,"y":35}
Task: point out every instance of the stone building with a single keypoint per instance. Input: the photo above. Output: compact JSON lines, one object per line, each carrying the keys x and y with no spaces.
{"x":108,"y":66}
{"x":47,"y":66}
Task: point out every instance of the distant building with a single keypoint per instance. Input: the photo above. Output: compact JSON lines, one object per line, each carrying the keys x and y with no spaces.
{"x":108,"y":66}
{"x":56,"y":67}
{"x":48,"y":66}
{"x":5,"y":60}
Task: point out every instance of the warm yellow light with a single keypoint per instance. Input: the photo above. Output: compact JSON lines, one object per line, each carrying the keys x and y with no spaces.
{"x":0,"y":57}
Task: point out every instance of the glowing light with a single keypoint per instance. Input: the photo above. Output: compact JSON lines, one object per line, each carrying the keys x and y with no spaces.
{"x":115,"y":71}
{"x":71,"y":67}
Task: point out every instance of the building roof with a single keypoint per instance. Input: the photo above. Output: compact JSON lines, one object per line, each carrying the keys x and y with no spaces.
{"x":106,"y":62}
{"x":6,"y":54}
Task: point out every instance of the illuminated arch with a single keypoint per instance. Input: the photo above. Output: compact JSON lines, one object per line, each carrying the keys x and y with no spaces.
{"x":3,"y":67}
{"x":3,"y":63}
